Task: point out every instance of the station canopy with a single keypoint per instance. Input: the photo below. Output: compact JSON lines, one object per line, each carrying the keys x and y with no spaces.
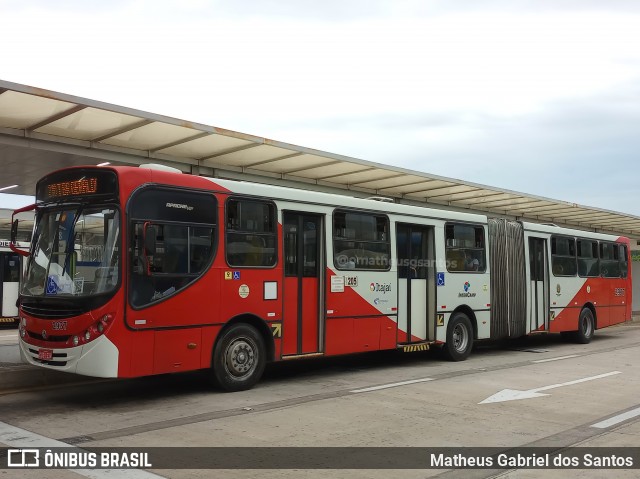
{"x":42,"y":130}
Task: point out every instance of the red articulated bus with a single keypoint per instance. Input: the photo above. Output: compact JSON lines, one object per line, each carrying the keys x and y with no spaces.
{"x":142,"y":271}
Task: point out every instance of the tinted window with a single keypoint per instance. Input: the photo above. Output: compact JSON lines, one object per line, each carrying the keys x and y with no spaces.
{"x":301,"y":245}
{"x":171,"y":242}
{"x":412,"y":242}
{"x":169,"y":204}
{"x":465,"y":248}
{"x":11,"y":268}
{"x":624,"y":262}
{"x":361,"y":241}
{"x":588,"y":265}
{"x":251,"y":233}
{"x":609,"y":260}
{"x":563,"y":256}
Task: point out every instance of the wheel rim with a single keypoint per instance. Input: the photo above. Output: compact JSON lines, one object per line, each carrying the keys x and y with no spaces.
{"x":587,"y":326}
{"x":241,"y":358}
{"x":460,"y":338}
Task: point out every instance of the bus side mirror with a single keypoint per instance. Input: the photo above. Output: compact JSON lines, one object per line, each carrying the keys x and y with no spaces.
{"x":14,"y":230}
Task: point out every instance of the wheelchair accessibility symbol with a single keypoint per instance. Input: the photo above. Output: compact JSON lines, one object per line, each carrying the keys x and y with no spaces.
{"x":440,"y":279}
{"x":52,"y":286}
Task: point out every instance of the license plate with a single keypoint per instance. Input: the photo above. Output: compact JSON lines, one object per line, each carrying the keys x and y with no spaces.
{"x":45,"y":354}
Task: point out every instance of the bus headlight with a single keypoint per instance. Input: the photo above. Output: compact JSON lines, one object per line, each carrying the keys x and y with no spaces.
{"x":76,"y":340}
{"x":87,"y":335}
{"x":23,"y":332}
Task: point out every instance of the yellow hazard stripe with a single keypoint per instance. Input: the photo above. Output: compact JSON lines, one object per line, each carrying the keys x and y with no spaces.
{"x":415,"y":347}
{"x":8,"y":320}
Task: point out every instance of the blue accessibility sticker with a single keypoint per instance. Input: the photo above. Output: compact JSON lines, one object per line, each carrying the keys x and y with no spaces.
{"x":440,"y":279}
{"x":52,"y":286}
{"x":236,"y":275}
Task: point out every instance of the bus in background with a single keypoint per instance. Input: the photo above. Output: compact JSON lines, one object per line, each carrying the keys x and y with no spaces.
{"x":141,"y":271}
{"x":10,"y":276}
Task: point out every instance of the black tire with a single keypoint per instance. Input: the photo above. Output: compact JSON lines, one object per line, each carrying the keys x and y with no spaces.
{"x":586,"y":327}
{"x":239,"y":358}
{"x":459,"y":338}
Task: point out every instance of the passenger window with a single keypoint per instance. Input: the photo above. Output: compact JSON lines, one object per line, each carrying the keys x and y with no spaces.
{"x":361,"y":241}
{"x":465,"y":248}
{"x":588,"y":265}
{"x":180,"y":257}
{"x":563,"y":256}
{"x":609,"y":260}
{"x":624,"y":261}
{"x":251,"y":233}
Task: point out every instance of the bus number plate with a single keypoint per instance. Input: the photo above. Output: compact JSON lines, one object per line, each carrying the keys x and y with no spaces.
{"x":45,"y":354}
{"x":351,"y":281}
{"x":59,"y":325}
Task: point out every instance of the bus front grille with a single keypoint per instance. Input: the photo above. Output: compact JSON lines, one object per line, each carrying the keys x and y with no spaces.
{"x":45,"y":312}
{"x":52,"y":339}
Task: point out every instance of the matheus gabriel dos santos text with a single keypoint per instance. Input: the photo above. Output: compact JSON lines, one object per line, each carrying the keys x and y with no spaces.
{"x":532,"y":461}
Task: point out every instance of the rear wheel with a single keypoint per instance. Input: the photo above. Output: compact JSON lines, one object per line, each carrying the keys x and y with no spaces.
{"x":586,"y":328}
{"x":459,"y":338}
{"x":239,"y":358}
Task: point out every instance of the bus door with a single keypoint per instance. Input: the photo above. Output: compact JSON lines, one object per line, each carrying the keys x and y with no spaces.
{"x":539,"y":285}
{"x":618,"y":286}
{"x":303,"y":329}
{"x":416,"y":283}
{"x":9,"y":284}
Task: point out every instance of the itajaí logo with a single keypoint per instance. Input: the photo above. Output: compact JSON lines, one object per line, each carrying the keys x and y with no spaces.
{"x":383,"y":288}
{"x":466,"y":294}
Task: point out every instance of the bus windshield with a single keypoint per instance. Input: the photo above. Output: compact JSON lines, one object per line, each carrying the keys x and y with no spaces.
{"x":75,"y":252}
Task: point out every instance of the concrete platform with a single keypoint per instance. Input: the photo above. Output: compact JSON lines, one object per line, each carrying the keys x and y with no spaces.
{"x":21,"y":376}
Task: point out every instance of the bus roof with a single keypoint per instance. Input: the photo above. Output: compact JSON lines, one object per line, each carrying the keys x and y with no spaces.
{"x":560,"y":230}
{"x":335,"y":200}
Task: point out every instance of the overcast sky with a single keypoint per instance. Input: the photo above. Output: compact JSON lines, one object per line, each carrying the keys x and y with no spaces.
{"x":535,"y":96}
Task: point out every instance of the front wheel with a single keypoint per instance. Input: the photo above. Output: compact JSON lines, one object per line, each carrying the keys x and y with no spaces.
{"x":239,"y":358}
{"x":459,"y":338}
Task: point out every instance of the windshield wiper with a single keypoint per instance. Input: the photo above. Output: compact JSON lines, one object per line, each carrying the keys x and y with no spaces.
{"x":70,"y":243}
